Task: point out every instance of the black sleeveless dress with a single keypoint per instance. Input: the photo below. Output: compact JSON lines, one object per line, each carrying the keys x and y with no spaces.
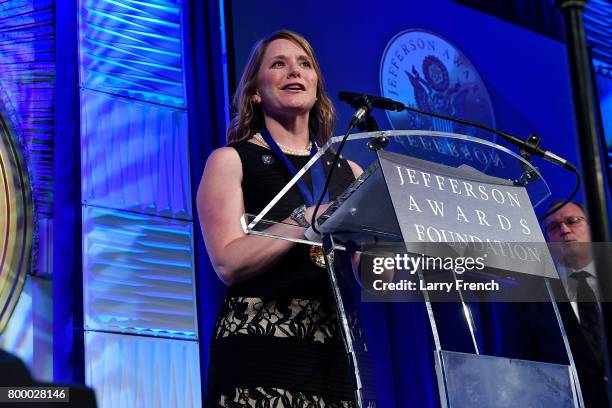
{"x":276,"y":341}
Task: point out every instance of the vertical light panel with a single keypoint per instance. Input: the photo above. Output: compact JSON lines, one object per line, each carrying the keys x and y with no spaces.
{"x":138,"y":268}
{"x":598,"y":30}
{"x":29,"y":332}
{"x":138,"y":274}
{"x":18,"y":336}
{"x":27,"y":98}
{"x":133,"y":48}
{"x":133,"y":371}
{"x":27,"y":86}
{"x":134,"y":156}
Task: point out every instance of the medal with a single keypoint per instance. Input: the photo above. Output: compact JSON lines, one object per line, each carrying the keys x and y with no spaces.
{"x":316,"y":256}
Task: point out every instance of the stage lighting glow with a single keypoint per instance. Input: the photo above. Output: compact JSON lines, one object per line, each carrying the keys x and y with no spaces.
{"x":138,"y":275}
{"x":134,"y":157}
{"x":136,"y":371}
{"x":27,"y":76}
{"x":133,"y":49}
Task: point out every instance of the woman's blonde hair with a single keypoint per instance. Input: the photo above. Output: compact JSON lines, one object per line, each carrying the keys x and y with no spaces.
{"x":249,"y":116}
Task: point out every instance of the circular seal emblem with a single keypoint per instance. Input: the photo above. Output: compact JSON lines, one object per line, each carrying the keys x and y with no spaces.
{"x":425,"y":71}
{"x":15,"y":220}
{"x":267,"y":159}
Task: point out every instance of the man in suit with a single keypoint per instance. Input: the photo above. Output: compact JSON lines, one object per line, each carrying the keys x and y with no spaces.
{"x":569,"y":233}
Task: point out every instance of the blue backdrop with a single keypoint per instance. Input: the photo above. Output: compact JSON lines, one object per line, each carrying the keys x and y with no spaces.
{"x":525,"y":73}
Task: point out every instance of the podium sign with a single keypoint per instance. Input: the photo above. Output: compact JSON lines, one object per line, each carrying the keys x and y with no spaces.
{"x":435,"y":203}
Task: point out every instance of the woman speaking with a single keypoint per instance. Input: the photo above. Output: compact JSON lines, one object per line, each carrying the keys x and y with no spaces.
{"x":276,"y":340}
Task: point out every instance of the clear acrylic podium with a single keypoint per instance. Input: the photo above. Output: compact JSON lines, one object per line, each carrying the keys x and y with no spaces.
{"x":488,"y":193}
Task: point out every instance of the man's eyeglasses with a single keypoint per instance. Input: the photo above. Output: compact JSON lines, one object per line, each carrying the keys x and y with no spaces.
{"x":568,"y":221}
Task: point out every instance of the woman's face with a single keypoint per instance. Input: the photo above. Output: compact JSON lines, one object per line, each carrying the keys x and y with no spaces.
{"x":286,"y":81}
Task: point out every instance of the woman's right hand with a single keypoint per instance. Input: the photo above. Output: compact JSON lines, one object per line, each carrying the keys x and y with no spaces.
{"x":310,"y":211}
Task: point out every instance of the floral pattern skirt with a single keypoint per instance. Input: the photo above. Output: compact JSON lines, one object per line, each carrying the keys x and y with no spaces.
{"x":280,"y":353}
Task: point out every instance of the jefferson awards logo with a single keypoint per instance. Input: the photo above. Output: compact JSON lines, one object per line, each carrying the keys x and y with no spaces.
{"x":425,"y":71}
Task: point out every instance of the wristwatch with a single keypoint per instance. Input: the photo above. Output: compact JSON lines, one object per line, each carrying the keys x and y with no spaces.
{"x":298,"y":215}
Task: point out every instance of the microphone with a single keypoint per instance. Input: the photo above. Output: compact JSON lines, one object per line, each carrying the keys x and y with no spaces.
{"x":361,"y":112}
{"x":358,"y":100}
{"x":364,"y":103}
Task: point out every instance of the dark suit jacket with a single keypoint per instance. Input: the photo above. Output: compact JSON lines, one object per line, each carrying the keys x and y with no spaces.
{"x":542,"y":341}
{"x":530,"y":331}
{"x":591,"y":370}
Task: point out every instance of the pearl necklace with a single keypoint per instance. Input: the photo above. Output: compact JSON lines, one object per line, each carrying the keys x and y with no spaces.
{"x":288,"y":150}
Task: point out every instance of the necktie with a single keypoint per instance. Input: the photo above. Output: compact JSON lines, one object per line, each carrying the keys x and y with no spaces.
{"x":588,"y":311}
